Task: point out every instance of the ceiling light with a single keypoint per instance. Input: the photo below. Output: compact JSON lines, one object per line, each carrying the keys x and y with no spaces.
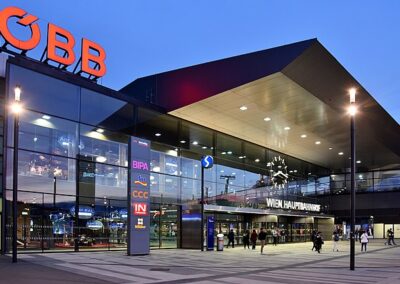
{"x":317,"y":142}
{"x":46,"y":117}
{"x":223,"y":153}
{"x":157,"y":134}
{"x":256,"y":160}
{"x":303,"y":136}
{"x":195,"y":143}
{"x":243,"y":108}
{"x":340,"y":153}
{"x":101,"y":159}
{"x":99,"y":130}
{"x":330,"y":148}
{"x":204,"y":147}
{"x":182,"y":141}
{"x":240,"y":157}
{"x":230,"y":152}
{"x":287,"y":128}
{"x":267,"y":119}
{"x":358,"y":162}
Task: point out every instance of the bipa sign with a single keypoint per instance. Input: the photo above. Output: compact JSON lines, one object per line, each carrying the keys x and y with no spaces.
{"x":60,"y":43}
{"x":139,"y":165}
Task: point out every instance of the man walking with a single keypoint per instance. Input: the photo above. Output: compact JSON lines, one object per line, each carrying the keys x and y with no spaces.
{"x":231,"y":239}
{"x":262,"y":236}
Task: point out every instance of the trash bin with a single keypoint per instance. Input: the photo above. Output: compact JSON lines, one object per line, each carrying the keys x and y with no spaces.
{"x":220,"y":242}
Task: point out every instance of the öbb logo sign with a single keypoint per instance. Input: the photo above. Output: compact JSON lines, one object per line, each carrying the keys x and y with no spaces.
{"x":91,"y":53}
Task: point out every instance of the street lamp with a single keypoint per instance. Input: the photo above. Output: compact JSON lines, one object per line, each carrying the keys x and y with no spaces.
{"x":352,"y":112}
{"x":16,"y":108}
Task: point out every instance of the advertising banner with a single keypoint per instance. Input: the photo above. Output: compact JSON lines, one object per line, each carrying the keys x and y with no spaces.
{"x":210,"y":232}
{"x":139,"y":197}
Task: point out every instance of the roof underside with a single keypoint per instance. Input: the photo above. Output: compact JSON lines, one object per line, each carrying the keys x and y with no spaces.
{"x":300,"y":86}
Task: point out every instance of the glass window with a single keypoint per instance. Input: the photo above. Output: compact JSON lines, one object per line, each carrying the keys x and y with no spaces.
{"x":45,"y":94}
{"x":45,"y":173}
{"x":103,"y":146}
{"x":47,"y":134}
{"x":98,"y":109}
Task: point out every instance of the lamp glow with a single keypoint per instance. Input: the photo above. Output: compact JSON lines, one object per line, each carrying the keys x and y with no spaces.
{"x":352,"y":110}
{"x":16,"y":107}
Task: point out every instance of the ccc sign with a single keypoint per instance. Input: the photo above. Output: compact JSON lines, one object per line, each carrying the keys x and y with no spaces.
{"x":92,"y":55}
{"x":140,"y":194}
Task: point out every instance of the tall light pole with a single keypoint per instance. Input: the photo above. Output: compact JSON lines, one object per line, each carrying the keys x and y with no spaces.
{"x":352,"y":112}
{"x":16,"y":108}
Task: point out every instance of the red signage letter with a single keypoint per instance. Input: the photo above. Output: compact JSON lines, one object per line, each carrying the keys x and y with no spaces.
{"x":99,"y":69}
{"x":53,"y":44}
{"x":29,"y":20}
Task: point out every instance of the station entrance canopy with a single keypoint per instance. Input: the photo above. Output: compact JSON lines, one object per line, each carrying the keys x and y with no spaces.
{"x":300,"y":86}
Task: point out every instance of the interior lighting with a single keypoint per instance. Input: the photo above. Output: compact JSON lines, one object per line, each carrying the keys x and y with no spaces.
{"x":287,"y":128}
{"x":47,"y":117}
{"x":317,"y":142}
{"x":340,"y":153}
{"x":101,"y":159}
{"x":267,"y":119}
{"x":303,"y":136}
{"x":157,"y":134}
{"x":243,"y":108}
{"x":358,"y":162}
{"x":195,"y":143}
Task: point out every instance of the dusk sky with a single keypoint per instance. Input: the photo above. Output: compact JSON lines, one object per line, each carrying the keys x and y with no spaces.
{"x":146,"y":37}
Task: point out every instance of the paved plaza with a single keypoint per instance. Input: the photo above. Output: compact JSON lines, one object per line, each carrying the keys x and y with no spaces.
{"x":285,"y":263}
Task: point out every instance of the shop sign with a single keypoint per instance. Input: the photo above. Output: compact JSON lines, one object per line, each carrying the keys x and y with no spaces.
{"x":292,"y":205}
{"x":60,"y":43}
{"x":139,"y":197}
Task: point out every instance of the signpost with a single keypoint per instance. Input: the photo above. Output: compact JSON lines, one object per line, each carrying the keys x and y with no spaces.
{"x":210,"y":232}
{"x":207,"y":162}
{"x":139,"y":197}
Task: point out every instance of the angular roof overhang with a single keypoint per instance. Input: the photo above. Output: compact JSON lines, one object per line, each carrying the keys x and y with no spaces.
{"x":301,"y":86}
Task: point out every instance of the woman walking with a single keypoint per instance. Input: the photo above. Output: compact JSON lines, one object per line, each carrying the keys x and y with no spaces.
{"x":246,"y":239}
{"x":253,"y":239}
{"x":364,"y":241}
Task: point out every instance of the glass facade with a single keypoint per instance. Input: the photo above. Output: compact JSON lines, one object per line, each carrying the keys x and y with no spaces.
{"x":73,"y":156}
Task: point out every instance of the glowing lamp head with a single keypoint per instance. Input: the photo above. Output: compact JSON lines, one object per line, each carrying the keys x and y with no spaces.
{"x":17,"y":93}
{"x":352,"y":93}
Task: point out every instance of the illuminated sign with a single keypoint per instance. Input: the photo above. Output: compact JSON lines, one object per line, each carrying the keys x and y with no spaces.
{"x":60,"y":43}
{"x":140,"y":224}
{"x":140,"y":209}
{"x":294,"y":205}
{"x":141,"y":180}
{"x":140,"y":194}
{"x":139,"y":197}
{"x":139,"y":165}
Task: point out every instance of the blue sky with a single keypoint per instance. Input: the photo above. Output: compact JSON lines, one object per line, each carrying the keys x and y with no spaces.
{"x":146,"y":37}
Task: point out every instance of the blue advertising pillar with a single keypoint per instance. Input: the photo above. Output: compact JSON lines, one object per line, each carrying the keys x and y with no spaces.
{"x":139,"y":197}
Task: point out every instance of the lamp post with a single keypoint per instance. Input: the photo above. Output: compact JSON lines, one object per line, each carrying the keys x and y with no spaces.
{"x":206,"y":163}
{"x":352,"y":112}
{"x":16,"y":108}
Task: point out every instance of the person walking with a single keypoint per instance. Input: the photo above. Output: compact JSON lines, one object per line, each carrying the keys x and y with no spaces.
{"x":246,"y":239}
{"x":275,"y":235}
{"x":253,"y":239}
{"x":231,"y":238}
{"x":313,"y":238}
{"x":262,"y":236}
{"x":391,"y":237}
{"x":335,"y":238}
{"x":364,"y":241}
{"x":318,"y":242}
